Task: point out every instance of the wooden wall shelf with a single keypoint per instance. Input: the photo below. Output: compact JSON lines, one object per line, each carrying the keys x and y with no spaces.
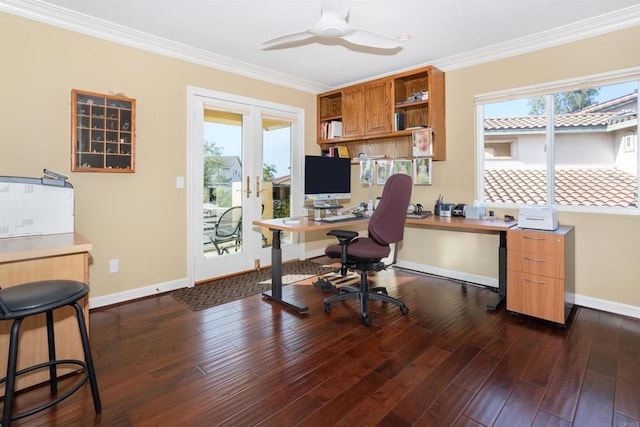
{"x":103,"y":133}
{"x":375,"y":116}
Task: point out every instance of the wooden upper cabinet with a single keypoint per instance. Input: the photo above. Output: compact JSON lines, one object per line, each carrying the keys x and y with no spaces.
{"x":352,"y":112}
{"x":377,"y":107}
{"x":378,"y":117}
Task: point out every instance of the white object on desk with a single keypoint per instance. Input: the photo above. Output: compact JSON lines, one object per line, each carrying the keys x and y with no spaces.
{"x":35,"y":206}
{"x":538,"y":218}
{"x":339,"y":218}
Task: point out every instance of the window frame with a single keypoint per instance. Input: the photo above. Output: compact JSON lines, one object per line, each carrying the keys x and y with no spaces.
{"x":548,"y":90}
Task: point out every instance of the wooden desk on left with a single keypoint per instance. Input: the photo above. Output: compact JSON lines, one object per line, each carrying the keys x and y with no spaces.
{"x":28,"y":259}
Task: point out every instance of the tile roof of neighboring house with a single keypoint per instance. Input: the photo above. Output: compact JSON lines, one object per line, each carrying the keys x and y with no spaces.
{"x":582,"y":187}
{"x":574,"y":120}
{"x":616,"y":110}
{"x":282,"y":180}
{"x":613,"y":104}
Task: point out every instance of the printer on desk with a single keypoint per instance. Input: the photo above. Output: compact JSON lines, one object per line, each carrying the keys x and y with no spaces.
{"x":538,"y":218}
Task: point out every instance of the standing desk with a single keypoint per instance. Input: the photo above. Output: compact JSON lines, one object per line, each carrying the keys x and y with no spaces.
{"x":300,"y":225}
{"x":491,"y":226}
{"x":304,"y":224}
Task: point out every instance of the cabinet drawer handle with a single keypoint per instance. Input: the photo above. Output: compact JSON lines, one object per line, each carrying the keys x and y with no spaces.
{"x":535,"y":260}
{"x":533,"y":238}
{"x":538,"y":282}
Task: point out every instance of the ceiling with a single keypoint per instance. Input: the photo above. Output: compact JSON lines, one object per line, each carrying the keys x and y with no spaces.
{"x":228,"y":34}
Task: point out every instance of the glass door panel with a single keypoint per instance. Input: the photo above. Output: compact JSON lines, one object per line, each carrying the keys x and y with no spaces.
{"x":222,"y":183}
{"x":276,"y":174}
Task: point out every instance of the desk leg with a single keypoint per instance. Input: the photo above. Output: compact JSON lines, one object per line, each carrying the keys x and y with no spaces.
{"x":276,"y":276}
{"x":502,"y":273}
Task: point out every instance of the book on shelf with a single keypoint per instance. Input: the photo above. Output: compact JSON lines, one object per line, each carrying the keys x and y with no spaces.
{"x":343,"y":151}
{"x":332,"y":129}
{"x":399,"y":121}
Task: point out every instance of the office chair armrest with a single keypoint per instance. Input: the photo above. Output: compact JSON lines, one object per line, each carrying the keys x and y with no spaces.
{"x":343,"y":236}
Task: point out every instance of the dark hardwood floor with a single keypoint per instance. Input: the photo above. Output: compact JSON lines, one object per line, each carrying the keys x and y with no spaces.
{"x":449,"y":362}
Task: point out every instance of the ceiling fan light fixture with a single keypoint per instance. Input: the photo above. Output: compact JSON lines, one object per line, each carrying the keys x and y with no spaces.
{"x":333,"y":25}
{"x":332,"y":32}
{"x":403,"y":37}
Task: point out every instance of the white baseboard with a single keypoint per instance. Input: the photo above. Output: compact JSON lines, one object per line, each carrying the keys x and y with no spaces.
{"x":137,"y":293}
{"x":584,"y":301}
{"x":451,"y":274}
{"x":608,"y":306}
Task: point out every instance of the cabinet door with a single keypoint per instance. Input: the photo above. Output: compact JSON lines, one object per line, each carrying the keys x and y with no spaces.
{"x":353,"y":112}
{"x":540,"y":242}
{"x":377,"y":107}
{"x":537,"y":296}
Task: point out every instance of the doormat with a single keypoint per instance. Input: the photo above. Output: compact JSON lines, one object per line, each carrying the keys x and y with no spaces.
{"x":221,"y":291}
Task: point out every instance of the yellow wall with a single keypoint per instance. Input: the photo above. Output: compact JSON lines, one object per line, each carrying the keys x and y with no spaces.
{"x":606,"y":245}
{"x":141,"y":218}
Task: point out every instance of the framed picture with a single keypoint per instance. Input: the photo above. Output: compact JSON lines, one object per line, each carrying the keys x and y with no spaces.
{"x":384,"y":171}
{"x":422,"y":142}
{"x":402,"y":166}
{"x":366,"y":172}
{"x":422,"y":171}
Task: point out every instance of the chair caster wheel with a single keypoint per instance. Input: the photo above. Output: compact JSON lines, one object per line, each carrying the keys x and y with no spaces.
{"x":404,"y":309}
{"x":327,"y":308}
{"x":366,"y":320}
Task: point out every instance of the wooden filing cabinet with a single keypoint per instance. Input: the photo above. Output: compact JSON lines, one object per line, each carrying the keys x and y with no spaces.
{"x":34,"y":258}
{"x":540,"y":273}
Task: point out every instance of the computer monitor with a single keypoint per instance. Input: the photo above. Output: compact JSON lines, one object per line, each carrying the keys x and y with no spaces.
{"x":326,"y":179}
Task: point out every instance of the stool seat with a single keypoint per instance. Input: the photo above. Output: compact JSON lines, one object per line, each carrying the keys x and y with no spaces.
{"x":38,"y":297}
{"x":29,"y":299}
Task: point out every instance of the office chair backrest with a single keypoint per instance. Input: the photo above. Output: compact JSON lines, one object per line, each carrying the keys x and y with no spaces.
{"x":386,"y":225}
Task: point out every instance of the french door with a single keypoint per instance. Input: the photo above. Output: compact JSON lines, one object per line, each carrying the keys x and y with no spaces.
{"x":240,"y":169}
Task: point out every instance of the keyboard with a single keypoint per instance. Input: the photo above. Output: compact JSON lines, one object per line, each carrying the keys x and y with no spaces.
{"x":340,"y":218}
{"x":419,"y":216}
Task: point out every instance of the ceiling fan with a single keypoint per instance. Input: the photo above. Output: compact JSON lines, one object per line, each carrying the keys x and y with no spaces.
{"x":333,"y":26}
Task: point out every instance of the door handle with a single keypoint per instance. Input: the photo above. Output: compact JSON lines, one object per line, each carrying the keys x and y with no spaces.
{"x":248,"y":187}
{"x":258,"y":190}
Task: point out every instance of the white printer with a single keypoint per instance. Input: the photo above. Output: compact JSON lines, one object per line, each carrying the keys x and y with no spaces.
{"x":36,"y":206}
{"x":538,"y":218}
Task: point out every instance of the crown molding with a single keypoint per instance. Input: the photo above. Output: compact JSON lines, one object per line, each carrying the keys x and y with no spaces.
{"x":47,"y":13}
{"x":609,"y":22}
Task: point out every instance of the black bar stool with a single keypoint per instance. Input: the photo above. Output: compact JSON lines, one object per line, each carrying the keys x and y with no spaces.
{"x":29,"y":299}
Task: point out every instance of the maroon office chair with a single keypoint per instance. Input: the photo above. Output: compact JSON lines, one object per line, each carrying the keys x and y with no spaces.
{"x":365,"y":254}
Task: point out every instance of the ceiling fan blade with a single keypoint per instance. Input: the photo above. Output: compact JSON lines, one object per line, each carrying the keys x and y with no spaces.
{"x":287,"y":39}
{"x":338,"y":7}
{"x":369,"y":39}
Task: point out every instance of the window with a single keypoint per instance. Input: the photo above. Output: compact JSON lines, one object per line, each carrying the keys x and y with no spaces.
{"x":569,"y":144}
{"x":497,"y":149}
